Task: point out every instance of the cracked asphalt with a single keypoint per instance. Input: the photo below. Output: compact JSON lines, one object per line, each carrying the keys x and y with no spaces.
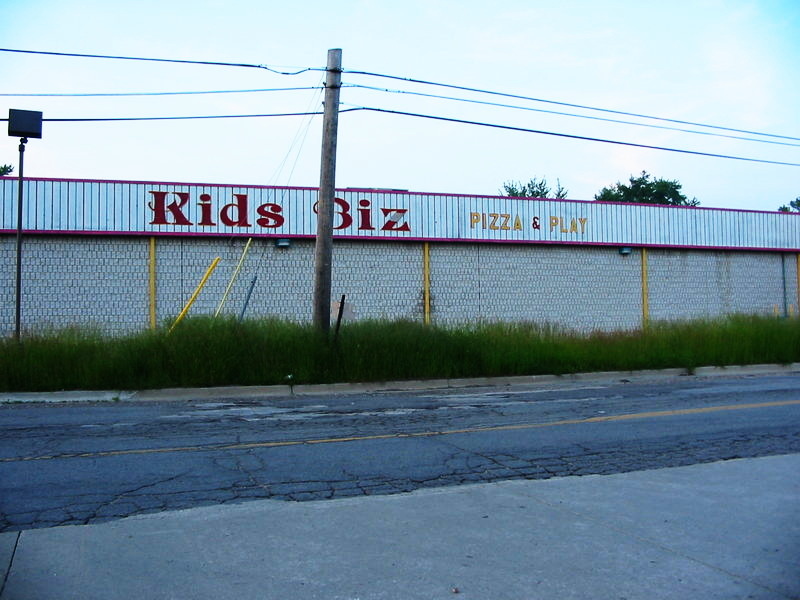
{"x":86,"y":463}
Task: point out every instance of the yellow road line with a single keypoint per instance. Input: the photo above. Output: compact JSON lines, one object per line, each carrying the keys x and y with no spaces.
{"x":388,"y":436}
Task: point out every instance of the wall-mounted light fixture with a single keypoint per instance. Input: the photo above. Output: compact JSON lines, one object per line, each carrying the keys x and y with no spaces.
{"x":283,"y":243}
{"x":625,"y":250}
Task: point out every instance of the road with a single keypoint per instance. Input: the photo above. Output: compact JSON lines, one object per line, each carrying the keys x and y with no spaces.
{"x":86,"y":463}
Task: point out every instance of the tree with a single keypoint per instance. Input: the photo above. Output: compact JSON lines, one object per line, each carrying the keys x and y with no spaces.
{"x":794,"y":206}
{"x":646,"y":190}
{"x":535,"y":188}
{"x":5,"y":170}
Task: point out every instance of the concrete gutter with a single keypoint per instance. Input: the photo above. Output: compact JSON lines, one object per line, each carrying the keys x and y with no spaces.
{"x":274,"y":391}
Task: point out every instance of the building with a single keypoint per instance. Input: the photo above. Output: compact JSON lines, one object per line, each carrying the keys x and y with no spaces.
{"x":123,"y":256}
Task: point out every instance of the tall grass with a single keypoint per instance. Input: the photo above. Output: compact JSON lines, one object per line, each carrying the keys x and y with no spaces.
{"x":215,"y":352}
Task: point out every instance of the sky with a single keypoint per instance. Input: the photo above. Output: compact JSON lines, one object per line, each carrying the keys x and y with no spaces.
{"x":727,"y":63}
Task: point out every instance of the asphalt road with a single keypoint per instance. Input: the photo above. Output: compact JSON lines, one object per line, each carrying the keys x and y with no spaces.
{"x":85,"y":463}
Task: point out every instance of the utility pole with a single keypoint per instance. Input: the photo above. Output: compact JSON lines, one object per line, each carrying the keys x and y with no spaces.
{"x":323,"y":248}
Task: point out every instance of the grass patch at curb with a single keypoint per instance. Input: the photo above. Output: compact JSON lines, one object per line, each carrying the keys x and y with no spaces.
{"x":207,"y":352}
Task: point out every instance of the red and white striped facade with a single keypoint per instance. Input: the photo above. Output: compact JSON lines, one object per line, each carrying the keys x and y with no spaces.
{"x":62,"y":206}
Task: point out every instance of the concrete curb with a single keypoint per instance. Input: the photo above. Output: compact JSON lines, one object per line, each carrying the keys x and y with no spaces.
{"x":65,"y":396}
{"x":274,"y":391}
{"x":220,"y":393}
{"x":746,"y":370}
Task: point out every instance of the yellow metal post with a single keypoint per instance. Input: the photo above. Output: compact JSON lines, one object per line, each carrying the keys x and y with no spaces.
{"x":797,"y":283}
{"x":426,"y":283}
{"x":196,"y":293}
{"x":233,"y":277}
{"x":152,"y":282}
{"x":645,"y":291}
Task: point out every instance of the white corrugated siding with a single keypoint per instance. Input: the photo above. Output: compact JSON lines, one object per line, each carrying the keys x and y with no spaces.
{"x":61,"y":206}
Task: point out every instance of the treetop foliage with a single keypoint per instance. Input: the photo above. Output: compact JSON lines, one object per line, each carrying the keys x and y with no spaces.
{"x":645,"y":189}
{"x":793,"y":206}
{"x":535,"y":188}
{"x":5,"y":170}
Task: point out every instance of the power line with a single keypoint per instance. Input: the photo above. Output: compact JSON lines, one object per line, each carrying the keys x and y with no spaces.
{"x":572,"y":105}
{"x":392,"y":91}
{"x":571,"y":136}
{"x":566,"y":114}
{"x":115,"y":94}
{"x":165,"y":60}
{"x":297,"y":136}
{"x":410,"y":80}
{"x":182,"y":118}
{"x":424,"y":116}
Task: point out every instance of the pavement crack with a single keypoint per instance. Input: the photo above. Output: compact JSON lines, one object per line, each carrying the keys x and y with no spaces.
{"x":153,"y":484}
{"x":10,"y":563}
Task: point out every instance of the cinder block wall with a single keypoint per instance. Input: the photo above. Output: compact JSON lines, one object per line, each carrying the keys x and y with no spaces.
{"x":580,"y":288}
{"x":696,"y":284}
{"x":380,"y":280}
{"x":103,"y":281}
{"x":74,"y":280}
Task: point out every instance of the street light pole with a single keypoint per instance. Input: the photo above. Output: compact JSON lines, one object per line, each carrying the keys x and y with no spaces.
{"x":23,"y":124}
{"x":18,"y":305}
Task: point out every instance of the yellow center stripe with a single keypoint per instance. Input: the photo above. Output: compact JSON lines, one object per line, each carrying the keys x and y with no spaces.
{"x":387,"y":436}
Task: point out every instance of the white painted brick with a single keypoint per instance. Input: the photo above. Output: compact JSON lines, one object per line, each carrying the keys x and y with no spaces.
{"x":73,"y":280}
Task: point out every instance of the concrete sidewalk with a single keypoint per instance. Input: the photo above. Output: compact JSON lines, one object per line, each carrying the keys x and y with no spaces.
{"x":720,"y":530}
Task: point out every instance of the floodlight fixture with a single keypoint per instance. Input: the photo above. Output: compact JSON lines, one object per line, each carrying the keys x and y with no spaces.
{"x":24,"y":123}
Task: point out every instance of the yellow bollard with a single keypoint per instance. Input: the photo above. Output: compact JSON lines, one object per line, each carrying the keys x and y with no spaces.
{"x":645,"y":291}
{"x":426,"y":283}
{"x":152,"y":282}
{"x":196,"y":293}
{"x":233,"y":277}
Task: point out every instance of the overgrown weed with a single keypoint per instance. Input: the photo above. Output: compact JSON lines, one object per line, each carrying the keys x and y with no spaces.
{"x":203,"y":351}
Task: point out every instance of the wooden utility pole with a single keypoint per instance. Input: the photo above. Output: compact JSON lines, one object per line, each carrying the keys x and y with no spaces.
{"x":323,"y":248}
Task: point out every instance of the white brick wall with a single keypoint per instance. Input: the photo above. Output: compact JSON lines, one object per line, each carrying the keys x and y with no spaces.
{"x":687,"y":285}
{"x":103,"y":281}
{"x":581,"y":288}
{"x":72,"y":280}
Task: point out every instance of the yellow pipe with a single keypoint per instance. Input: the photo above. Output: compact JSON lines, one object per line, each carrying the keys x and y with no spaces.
{"x":645,"y":291}
{"x":196,"y":293}
{"x":426,"y":282}
{"x":233,"y":277}
{"x":152,"y":282}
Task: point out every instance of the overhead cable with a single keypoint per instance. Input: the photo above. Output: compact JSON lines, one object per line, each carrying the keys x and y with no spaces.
{"x":566,"y":114}
{"x":572,"y":105}
{"x":115,"y":94}
{"x":165,"y":60}
{"x":424,"y":116}
{"x":571,"y":136}
{"x":410,"y":80}
{"x":300,"y":135}
{"x":179,"y":118}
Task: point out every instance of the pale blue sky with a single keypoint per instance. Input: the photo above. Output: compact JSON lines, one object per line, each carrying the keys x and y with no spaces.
{"x":730,"y":63}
